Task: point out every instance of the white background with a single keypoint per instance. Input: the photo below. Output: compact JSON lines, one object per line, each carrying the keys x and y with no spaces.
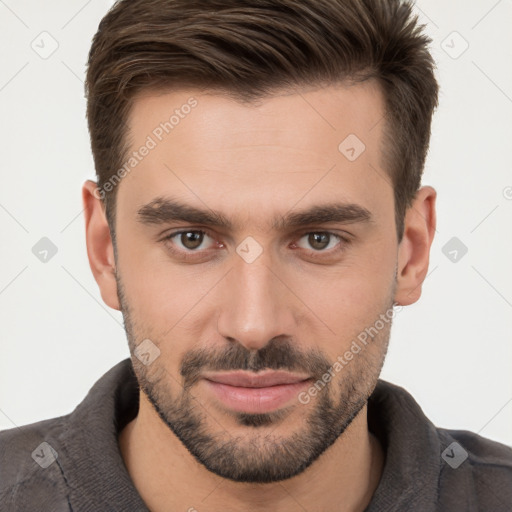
{"x":452,"y":350}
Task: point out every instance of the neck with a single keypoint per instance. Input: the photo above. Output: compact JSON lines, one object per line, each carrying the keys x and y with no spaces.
{"x":167,"y":476}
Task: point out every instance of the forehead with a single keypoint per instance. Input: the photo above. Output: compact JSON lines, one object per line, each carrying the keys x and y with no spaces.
{"x":300,"y":117}
{"x":301,"y":145}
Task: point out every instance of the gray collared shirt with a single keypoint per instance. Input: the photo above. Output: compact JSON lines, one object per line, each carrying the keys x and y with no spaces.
{"x":73,"y":462}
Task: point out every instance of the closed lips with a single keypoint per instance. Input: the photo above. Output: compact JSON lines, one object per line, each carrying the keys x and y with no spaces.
{"x":256,"y":380}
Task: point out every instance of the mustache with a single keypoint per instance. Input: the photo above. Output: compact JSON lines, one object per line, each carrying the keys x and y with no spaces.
{"x":278,"y":354}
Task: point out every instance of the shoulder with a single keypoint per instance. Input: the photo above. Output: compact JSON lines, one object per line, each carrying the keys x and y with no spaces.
{"x":475,"y":469}
{"x":441,"y":469}
{"x":30,"y":474}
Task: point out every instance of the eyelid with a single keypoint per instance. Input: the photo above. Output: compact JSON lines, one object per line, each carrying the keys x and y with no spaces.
{"x":342,"y":234}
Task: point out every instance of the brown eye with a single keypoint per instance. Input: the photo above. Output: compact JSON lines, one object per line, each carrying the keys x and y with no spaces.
{"x":319,"y":244}
{"x":318,"y":241}
{"x":191,"y":239}
{"x":192,"y":245}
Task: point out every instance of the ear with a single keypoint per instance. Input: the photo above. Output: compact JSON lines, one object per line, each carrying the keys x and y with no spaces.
{"x":414,"y":249}
{"x":100,"y":250}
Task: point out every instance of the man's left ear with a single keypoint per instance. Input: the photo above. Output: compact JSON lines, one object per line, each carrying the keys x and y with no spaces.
{"x":414,"y":249}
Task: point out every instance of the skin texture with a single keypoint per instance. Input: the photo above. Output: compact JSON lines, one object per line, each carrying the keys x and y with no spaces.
{"x":298,"y":306}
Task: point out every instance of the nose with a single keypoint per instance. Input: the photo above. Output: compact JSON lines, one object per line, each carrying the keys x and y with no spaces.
{"x":256,"y":305}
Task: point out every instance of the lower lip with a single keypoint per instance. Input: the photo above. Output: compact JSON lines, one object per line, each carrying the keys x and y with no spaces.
{"x":256,"y":400}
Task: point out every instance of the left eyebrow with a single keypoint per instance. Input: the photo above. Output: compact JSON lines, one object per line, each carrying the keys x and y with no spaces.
{"x":164,"y":210}
{"x":344,"y":213}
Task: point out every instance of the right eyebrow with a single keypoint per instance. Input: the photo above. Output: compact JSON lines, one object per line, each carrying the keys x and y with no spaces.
{"x":163,"y":210}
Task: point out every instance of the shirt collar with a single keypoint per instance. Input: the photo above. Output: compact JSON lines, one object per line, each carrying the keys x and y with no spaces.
{"x":409,"y":480}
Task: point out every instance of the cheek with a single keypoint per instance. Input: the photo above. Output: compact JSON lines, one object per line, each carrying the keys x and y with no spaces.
{"x":350,"y":298}
{"x":148,"y":275}
{"x":167,"y":300}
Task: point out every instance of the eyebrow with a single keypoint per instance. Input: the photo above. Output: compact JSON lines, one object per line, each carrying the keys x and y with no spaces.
{"x":162,"y":210}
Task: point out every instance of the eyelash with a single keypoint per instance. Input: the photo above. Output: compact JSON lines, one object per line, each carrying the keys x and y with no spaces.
{"x":191,"y":254}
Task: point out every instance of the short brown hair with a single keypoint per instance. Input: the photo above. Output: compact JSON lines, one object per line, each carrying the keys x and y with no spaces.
{"x":252,"y":48}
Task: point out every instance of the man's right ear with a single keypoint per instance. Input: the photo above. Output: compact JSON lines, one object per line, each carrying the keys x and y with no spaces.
{"x":100,"y":249}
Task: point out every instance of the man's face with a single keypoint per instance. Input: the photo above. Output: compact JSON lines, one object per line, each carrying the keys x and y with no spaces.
{"x":260,"y":292}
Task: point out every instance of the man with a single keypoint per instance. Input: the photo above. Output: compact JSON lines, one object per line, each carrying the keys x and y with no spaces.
{"x":259,"y":221}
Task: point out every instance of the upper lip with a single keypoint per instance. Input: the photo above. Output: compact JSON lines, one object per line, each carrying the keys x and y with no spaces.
{"x":263,"y":379}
